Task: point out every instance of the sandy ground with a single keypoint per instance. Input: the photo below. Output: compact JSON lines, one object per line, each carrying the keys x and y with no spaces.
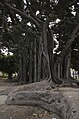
{"x":30,"y":112}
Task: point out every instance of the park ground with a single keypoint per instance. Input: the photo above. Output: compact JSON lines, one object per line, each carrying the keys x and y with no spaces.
{"x":30,"y":112}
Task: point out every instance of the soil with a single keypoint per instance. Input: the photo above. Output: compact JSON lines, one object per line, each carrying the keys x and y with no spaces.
{"x":30,"y":112}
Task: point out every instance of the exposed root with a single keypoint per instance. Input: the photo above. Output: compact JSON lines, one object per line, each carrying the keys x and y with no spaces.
{"x":49,"y":100}
{"x":70,"y":83}
{"x":63,"y":82}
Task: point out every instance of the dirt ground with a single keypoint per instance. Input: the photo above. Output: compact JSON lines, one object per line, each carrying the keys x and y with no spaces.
{"x":30,"y":112}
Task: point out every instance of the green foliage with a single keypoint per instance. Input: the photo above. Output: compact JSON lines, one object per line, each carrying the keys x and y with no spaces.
{"x":8,"y":64}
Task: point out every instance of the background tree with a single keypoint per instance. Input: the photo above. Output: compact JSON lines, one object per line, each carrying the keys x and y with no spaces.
{"x":8,"y":65}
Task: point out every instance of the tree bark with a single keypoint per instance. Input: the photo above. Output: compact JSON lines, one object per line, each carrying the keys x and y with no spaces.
{"x":50,"y":46}
{"x":24,"y":68}
{"x":30,"y":62}
{"x":39,"y":58}
{"x":35,"y":62}
{"x":45,"y":47}
{"x":20,"y":74}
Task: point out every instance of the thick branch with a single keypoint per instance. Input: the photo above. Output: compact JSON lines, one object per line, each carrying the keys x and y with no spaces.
{"x":1,"y":4}
{"x":22,"y":14}
{"x":34,"y":16}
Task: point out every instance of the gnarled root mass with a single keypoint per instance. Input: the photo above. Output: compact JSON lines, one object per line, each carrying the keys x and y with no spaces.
{"x":52,"y":101}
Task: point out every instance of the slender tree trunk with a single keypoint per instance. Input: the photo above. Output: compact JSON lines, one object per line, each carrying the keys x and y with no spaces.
{"x":39,"y":58}
{"x":24,"y":68}
{"x":59,"y":70}
{"x":68,"y":66}
{"x":30,"y":62}
{"x":20,"y":74}
{"x":35,"y":62}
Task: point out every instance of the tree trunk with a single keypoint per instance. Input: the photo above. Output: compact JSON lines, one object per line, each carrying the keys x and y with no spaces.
{"x":65,"y":51}
{"x":20,"y":74}
{"x":24,"y":68}
{"x":50,"y":51}
{"x":39,"y":58}
{"x":35,"y":62}
{"x":45,"y":49}
{"x":30,"y":62}
{"x":68,"y":64}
